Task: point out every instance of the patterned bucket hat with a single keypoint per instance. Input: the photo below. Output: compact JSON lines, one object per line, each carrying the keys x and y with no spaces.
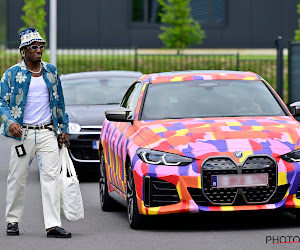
{"x":29,"y":36}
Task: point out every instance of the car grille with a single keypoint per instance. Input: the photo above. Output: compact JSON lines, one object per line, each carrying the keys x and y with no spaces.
{"x":279,"y":194}
{"x":256,"y":165}
{"x":227,"y":196}
{"x":218,"y":166}
{"x":159,"y":193}
{"x":198,"y":197}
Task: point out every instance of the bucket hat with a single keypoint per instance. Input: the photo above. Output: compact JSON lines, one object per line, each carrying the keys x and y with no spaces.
{"x":29,"y":36}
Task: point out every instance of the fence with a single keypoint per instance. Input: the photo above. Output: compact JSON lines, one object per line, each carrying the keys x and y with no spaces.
{"x":79,"y":60}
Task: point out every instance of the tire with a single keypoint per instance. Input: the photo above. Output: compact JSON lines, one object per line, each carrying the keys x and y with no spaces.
{"x":297,"y":220}
{"x":135,"y":219}
{"x":106,"y":202}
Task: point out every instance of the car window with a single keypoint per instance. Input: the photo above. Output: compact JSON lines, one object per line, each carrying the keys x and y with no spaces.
{"x":92,"y":91}
{"x":131,"y":98}
{"x":220,"y":98}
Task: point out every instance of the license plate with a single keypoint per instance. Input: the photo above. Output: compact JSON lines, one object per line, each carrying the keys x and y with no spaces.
{"x":96,"y":145}
{"x":239,"y":180}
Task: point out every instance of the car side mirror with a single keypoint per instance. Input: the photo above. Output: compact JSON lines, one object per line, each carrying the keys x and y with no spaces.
{"x":296,"y":106}
{"x":119,"y":114}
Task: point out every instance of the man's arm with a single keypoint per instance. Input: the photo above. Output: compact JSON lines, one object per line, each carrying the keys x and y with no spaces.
{"x":5,"y":95}
{"x":63,"y":118}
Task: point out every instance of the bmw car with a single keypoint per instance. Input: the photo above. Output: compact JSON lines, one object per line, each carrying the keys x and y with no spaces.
{"x":87,"y":95}
{"x":193,"y":141}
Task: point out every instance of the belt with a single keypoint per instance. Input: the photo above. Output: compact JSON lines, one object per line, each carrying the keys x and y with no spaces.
{"x":39,"y":126}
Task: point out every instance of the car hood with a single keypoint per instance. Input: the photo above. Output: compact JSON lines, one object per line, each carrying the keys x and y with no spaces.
{"x":88,"y":115}
{"x":214,"y":136}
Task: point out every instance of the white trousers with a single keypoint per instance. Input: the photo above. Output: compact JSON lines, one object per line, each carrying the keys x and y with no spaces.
{"x":43,"y":144}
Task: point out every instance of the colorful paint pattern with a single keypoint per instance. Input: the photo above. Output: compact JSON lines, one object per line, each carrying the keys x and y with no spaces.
{"x":199,"y":138}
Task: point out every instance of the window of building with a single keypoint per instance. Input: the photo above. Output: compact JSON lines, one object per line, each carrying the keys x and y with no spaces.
{"x":145,"y":11}
{"x":203,"y":11}
{"x":208,"y":11}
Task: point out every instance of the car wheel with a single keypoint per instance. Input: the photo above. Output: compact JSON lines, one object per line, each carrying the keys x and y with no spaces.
{"x":136,"y":220}
{"x":106,"y":202}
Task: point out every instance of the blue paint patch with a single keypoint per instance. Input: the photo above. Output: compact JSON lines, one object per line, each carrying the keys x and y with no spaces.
{"x":290,"y":176}
{"x":195,"y":167}
{"x":187,"y":150}
{"x":183,"y":170}
{"x":281,"y":121}
{"x":202,"y":208}
{"x":236,"y":128}
{"x":134,"y":160}
{"x":198,"y":78}
{"x":250,"y":123}
{"x":219,"y":144}
{"x":161,"y":134}
{"x":152,"y":170}
{"x":176,"y":126}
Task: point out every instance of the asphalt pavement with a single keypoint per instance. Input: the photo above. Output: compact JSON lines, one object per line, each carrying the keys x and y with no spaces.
{"x":110,"y":230}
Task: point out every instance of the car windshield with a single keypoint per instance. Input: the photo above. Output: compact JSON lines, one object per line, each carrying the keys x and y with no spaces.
{"x":211,"y":98}
{"x":93,"y":91}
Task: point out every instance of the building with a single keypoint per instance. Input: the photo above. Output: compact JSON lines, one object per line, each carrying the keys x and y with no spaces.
{"x":135,"y":23}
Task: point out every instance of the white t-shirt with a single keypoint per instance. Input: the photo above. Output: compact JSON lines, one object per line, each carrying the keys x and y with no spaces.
{"x":37,"y":107}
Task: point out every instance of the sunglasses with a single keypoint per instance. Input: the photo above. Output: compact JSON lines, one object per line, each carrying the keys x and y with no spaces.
{"x":36,"y":47}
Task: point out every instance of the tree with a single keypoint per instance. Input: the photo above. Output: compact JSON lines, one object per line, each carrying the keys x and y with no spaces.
{"x":181,"y":29}
{"x":35,"y":15}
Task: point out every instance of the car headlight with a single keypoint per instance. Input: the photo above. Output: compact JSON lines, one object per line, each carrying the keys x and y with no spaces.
{"x":162,"y":158}
{"x":74,"y":127}
{"x":293,"y":156}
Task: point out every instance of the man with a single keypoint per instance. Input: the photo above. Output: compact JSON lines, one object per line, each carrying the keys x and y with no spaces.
{"x":33,"y":112}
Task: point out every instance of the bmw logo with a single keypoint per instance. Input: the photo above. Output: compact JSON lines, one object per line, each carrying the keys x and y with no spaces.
{"x":238,"y":154}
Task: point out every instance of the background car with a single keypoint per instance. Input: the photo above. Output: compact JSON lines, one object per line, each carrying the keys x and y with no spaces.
{"x":87,"y":95}
{"x":200,"y":141}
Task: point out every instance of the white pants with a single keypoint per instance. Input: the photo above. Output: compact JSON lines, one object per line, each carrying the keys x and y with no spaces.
{"x":43,"y":144}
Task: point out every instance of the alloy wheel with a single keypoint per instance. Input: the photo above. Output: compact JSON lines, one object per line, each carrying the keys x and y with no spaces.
{"x":102,"y":179}
{"x":130,"y":190}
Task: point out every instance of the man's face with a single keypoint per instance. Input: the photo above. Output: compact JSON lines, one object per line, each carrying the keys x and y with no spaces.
{"x":34,"y":55}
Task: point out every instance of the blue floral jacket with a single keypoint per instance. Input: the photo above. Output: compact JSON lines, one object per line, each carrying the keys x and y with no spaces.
{"x":14,"y":87}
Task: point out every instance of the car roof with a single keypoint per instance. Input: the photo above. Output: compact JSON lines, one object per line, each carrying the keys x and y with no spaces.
{"x":108,"y":73}
{"x":203,"y":75}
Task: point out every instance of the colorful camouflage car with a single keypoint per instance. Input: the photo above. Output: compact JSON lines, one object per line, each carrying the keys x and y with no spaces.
{"x":197,"y":141}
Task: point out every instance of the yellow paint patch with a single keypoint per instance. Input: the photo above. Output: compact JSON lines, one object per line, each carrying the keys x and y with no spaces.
{"x":250,"y":78}
{"x":282,"y":179}
{"x":177,"y":78}
{"x":257,"y":128}
{"x":212,"y":136}
{"x":159,"y":130}
{"x":246,"y":154}
{"x":204,"y":126}
{"x":296,"y":201}
{"x":153,"y":210}
{"x":182,"y":132}
{"x":279,"y":126}
{"x":225,"y":208}
{"x":143,"y":208}
{"x":233,"y":124}
{"x":179,"y":190}
{"x":199,"y":181}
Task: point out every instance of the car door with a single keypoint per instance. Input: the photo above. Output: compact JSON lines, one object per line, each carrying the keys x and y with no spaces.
{"x":120,"y":137}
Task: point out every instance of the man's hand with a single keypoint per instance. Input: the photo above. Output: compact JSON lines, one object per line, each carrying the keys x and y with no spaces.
{"x":64,"y":139}
{"x":15,"y":129}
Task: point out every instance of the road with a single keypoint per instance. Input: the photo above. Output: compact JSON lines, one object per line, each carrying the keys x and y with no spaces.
{"x":110,"y":230}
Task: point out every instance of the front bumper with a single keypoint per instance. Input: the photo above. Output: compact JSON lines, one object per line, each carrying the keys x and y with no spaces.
{"x":82,"y":148}
{"x":178,"y":192}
